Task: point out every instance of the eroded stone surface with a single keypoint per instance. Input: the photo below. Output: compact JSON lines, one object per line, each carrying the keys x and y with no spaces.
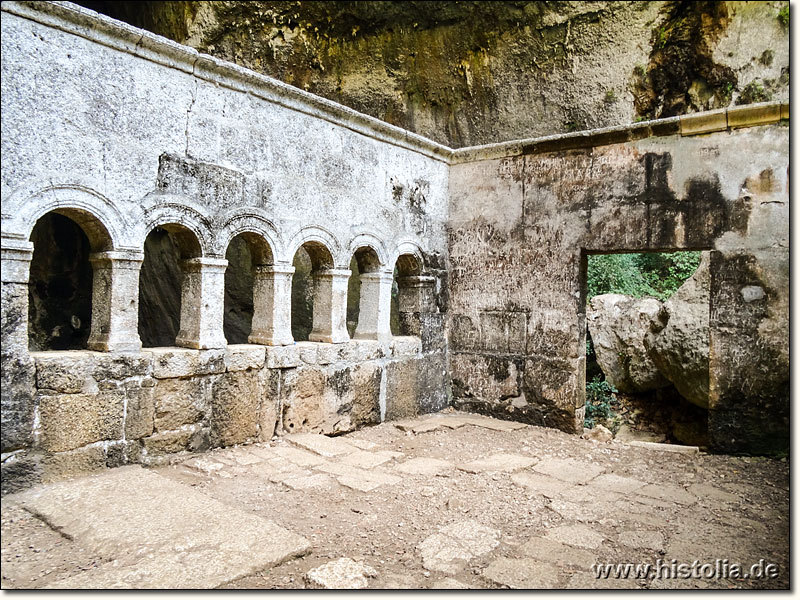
{"x":455,"y":545}
{"x":498,"y":462}
{"x":522,"y":574}
{"x":568,"y":470}
{"x":576,"y":535}
{"x":341,"y":574}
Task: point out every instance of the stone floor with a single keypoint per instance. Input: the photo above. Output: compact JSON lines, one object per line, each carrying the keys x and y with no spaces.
{"x":444,"y":501}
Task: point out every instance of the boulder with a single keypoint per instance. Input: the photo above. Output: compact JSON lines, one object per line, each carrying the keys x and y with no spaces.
{"x":618,"y":325}
{"x":677,"y":342}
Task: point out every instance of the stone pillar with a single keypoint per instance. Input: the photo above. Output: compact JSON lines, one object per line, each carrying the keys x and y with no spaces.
{"x":17,"y":369}
{"x":330,"y":306}
{"x":272,"y":306}
{"x":16,"y":266}
{"x":202,"y":303}
{"x":415,"y":294}
{"x":374,"y":306}
{"x":115,"y":301}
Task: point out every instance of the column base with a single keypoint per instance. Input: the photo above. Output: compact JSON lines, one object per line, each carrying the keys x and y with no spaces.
{"x":329,"y":338}
{"x":100,"y":345}
{"x":201,"y":344}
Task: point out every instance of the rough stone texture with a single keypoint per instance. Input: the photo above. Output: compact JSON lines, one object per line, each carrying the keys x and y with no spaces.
{"x":341,"y":574}
{"x":541,"y":484}
{"x":523,"y":574}
{"x":648,"y":540}
{"x":424,"y":466}
{"x":598,"y":433}
{"x":494,"y":71}
{"x":568,"y":470}
{"x":412,"y":386}
{"x":546,"y":549}
{"x":73,"y":420}
{"x":575,"y":535}
{"x":235,"y":401}
{"x":181,"y":402}
{"x":618,"y":325}
{"x":448,"y":550}
{"x":498,"y":462}
{"x":523,"y":219}
{"x":171,"y":536}
{"x":677,"y":342}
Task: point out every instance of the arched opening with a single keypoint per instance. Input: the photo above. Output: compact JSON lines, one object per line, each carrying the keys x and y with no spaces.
{"x":407,"y":270}
{"x":367,"y":296}
{"x":246,"y":252}
{"x":160,"y":283}
{"x":309,"y":261}
{"x":61,"y":279}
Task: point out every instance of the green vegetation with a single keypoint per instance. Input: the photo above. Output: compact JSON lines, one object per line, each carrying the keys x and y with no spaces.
{"x":600,"y":401}
{"x":610,"y":97}
{"x":754,"y":92}
{"x":783,"y":16}
{"x":656,"y":274}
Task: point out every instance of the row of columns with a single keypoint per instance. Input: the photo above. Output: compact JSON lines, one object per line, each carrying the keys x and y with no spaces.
{"x":115,"y":301}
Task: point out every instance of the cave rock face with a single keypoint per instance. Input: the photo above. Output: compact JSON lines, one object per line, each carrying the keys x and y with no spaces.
{"x":677,"y":342}
{"x":618,"y":325}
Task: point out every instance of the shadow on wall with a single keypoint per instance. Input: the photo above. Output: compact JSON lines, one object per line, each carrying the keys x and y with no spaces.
{"x":60,"y":290}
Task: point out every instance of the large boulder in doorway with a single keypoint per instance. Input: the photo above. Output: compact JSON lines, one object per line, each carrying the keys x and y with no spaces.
{"x":618,"y":325}
{"x":677,"y":342}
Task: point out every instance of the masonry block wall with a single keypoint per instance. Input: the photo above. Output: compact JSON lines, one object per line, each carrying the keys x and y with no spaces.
{"x":125,"y":133}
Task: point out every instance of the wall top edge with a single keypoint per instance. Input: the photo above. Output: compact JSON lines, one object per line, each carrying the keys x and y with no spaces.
{"x":120,"y":36}
{"x":82,"y":22}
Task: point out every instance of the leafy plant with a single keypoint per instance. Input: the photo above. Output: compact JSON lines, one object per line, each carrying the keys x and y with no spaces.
{"x":653,"y":274}
{"x":600,"y":401}
{"x":754,"y":92}
{"x":783,"y":16}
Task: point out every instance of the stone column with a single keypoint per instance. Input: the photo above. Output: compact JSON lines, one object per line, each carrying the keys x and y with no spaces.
{"x":16,"y":266}
{"x":415,"y":294}
{"x":272,"y":306}
{"x":330,"y":306}
{"x":202,"y":303}
{"x":115,"y":301}
{"x":375,"y":306}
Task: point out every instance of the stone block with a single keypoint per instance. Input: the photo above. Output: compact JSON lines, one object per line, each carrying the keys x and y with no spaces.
{"x":140,"y":412}
{"x":185,"y":362}
{"x":403,"y":346}
{"x":69,"y":421}
{"x":704,"y":122}
{"x":487,"y":378}
{"x":465,"y":334}
{"x":240,"y":357}
{"x":523,"y":574}
{"x":67,"y":372}
{"x":181,"y":402}
{"x":17,"y":379}
{"x":753,"y":114}
{"x":283,"y":357}
{"x":366,"y":392}
{"x":235,"y":402}
{"x":415,"y":386}
{"x":176,"y":440}
{"x":73,"y":463}
{"x":269,"y":385}
{"x":321,"y":400}
{"x":116,"y":366}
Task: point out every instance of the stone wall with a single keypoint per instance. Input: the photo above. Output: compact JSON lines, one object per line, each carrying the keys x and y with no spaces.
{"x":95,"y":410}
{"x":523,"y":217}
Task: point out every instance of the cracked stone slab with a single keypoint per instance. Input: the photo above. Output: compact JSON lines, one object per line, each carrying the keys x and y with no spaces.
{"x":455,"y":545}
{"x":204,"y":464}
{"x":568,"y":469}
{"x":668,"y":493}
{"x":576,"y":535}
{"x":498,"y":462}
{"x":321,"y":444}
{"x":648,"y":540}
{"x":542,"y":484}
{"x":424,"y":466}
{"x":522,"y":574}
{"x":296,"y":456}
{"x":584,"y":493}
{"x":340,"y":574}
{"x":495,"y":424}
{"x":162,"y":534}
{"x":550,"y":550}
{"x":363,"y":444}
{"x":308,"y":482}
{"x":585,"y":513}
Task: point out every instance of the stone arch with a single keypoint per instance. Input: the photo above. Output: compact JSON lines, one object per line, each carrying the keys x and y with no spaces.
{"x":412,"y":289}
{"x":270,"y":244}
{"x":93,"y":212}
{"x":180,"y":217}
{"x":374,"y":262}
{"x":325,"y":249}
{"x":408,"y":259}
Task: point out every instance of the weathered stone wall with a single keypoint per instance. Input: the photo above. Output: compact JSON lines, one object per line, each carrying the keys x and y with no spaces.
{"x":124,"y":132}
{"x":523,"y":218}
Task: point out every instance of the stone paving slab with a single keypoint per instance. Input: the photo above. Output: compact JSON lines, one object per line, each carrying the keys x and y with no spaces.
{"x":522,"y":574}
{"x":297,"y":456}
{"x":568,"y":469}
{"x":340,"y":574}
{"x":365,"y":460}
{"x":550,"y":550}
{"x":703,"y":491}
{"x":454,"y":545}
{"x":170,"y":536}
{"x":358,"y":479}
{"x":667,"y":493}
{"x":576,"y":535}
{"x":424,"y":466}
{"x":307,"y":482}
{"x":648,"y":540}
{"x":584,"y":493}
{"x":321,"y":444}
{"x":542,"y":484}
{"x":616,"y":483}
{"x":498,"y":462}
